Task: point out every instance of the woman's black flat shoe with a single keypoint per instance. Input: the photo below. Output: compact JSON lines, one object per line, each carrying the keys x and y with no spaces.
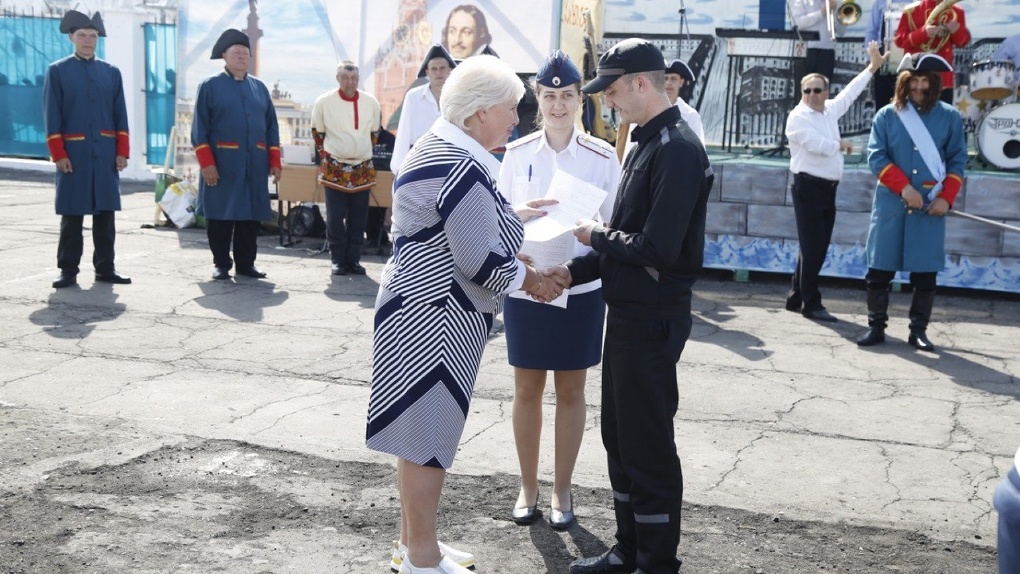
{"x":527,"y":515}
{"x":562,"y":519}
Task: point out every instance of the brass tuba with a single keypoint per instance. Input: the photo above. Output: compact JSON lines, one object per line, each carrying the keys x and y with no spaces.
{"x":848,"y":13}
{"x":937,"y":16}
{"x":941,"y":15}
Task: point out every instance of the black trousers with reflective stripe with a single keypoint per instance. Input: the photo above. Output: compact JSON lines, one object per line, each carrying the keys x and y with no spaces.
{"x":639,"y":401}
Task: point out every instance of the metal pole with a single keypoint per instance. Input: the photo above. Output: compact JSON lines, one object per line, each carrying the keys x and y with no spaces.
{"x":980,"y":219}
{"x":680,"y":34}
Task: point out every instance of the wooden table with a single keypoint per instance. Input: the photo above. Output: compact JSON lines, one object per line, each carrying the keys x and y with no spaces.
{"x":300,"y":184}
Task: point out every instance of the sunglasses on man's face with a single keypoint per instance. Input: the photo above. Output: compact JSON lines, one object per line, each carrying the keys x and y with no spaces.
{"x":813,"y":90}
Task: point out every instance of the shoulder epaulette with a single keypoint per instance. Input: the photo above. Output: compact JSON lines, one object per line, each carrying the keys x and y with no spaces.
{"x":521,"y":141}
{"x":595,"y":145}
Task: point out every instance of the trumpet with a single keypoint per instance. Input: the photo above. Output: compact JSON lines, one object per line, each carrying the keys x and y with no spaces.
{"x":847,"y":14}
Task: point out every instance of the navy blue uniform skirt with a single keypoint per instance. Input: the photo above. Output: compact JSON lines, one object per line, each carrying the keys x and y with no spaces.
{"x":546,"y":337}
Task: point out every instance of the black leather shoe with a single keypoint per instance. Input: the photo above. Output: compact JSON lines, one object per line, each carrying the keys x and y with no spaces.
{"x":794,"y":303}
{"x":221,"y":274}
{"x":920,"y":340}
{"x":820,"y":315}
{"x":874,"y":336}
{"x":113,"y":277}
{"x":252,"y":272}
{"x":608,"y":562}
{"x":356,"y":269}
{"x":338,"y":269}
{"x":65,"y":280}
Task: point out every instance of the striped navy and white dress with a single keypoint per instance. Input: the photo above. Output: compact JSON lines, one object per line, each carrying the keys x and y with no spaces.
{"x":454,"y":247}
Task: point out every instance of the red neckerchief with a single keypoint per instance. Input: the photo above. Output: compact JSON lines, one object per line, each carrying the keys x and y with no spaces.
{"x":354,"y":101}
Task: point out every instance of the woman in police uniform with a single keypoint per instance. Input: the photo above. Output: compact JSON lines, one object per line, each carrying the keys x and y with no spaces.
{"x":542,"y":337}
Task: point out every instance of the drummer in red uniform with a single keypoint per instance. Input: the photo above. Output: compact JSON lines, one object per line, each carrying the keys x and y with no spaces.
{"x":948,"y":30}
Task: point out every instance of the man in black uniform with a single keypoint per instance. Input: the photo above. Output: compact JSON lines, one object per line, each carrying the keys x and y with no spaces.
{"x":648,"y":257}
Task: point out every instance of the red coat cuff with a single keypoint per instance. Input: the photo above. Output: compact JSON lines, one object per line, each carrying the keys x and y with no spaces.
{"x":123,"y":144}
{"x":274,"y":157}
{"x":55,"y":143}
{"x":893,"y":178}
{"x":951,"y":188}
{"x":204,"y":155}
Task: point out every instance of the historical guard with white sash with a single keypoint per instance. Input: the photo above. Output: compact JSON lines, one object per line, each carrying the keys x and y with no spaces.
{"x":918,"y":152}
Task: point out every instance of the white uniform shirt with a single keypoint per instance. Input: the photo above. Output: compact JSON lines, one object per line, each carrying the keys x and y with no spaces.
{"x":692,"y":117}
{"x":814,"y":136}
{"x":810,"y":15}
{"x":689,"y":115}
{"x":529,"y":165}
{"x":419,"y":111}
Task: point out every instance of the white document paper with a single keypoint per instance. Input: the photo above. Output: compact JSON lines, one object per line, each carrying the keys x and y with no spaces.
{"x":550,"y":253}
{"x":577,"y":198}
{"x":549,"y":240}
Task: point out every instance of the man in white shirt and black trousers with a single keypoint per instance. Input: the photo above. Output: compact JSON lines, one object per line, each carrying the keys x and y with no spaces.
{"x":816,"y":161}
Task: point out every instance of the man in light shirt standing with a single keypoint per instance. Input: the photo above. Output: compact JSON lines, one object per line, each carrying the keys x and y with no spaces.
{"x":421,"y":104}
{"x":816,"y":161}
{"x":345,"y":124}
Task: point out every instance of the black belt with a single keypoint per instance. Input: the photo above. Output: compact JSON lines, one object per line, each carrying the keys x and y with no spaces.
{"x":815,"y":179}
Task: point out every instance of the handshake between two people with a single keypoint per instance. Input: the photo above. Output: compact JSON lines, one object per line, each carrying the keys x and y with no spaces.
{"x":550,"y":282}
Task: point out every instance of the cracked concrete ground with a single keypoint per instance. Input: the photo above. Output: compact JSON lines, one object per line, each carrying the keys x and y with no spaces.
{"x":779,"y":416}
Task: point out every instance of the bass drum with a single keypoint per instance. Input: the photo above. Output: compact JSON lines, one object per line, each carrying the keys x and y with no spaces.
{"x":998,"y":137}
{"x":971,"y":109}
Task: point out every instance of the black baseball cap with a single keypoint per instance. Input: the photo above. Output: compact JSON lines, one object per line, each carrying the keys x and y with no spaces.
{"x":626,"y":57}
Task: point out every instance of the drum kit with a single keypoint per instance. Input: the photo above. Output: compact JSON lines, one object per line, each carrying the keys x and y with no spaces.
{"x":993,"y":88}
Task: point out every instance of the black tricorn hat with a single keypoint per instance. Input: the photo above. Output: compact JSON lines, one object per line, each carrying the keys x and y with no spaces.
{"x":680,"y":68}
{"x":436,"y":51}
{"x":75,"y":20}
{"x":488,"y":51}
{"x":924,"y":63}
{"x":228,"y":39}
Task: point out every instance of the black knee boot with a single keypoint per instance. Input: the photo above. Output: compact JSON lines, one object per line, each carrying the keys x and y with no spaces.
{"x":878,"y":316}
{"x":920,"y":314}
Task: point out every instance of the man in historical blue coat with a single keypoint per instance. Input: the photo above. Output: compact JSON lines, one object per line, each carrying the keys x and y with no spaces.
{"x":87,"y":137}
{"x":237,"y":142}
{"x":918,"y":152}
